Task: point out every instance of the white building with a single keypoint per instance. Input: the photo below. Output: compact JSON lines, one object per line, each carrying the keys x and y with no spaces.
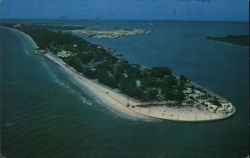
{"x":64,"y":54}
{"x":194,"y":95}
{"x":138,"y":83}
{"x":187,"y":91}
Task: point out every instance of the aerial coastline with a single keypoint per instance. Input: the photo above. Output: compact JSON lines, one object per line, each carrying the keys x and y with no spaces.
{"x":195,"y":105}
{"x":123,"y":78}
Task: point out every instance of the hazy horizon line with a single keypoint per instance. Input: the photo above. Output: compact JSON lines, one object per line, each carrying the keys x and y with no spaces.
{"x":103,"y":19}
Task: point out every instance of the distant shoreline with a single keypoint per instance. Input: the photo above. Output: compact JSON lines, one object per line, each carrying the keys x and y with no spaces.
{"x":107,"y":34}
{"x":240,"y":40}
{"x":131,"y":107}
{"x":34,"y":45}
{"x":148,"y":20}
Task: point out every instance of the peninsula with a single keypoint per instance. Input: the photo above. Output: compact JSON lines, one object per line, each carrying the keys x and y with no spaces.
{"x":241,"y":40}
{"x":114,"y":33}
{"x":131,"y":89}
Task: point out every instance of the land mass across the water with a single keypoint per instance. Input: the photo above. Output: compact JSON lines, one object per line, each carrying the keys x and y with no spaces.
{"x":132,"y":89}
{"x":241,"y":40}
{"x":114,"y":33}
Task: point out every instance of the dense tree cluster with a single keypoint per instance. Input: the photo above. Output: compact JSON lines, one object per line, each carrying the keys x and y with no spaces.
{"x":143,"y":83}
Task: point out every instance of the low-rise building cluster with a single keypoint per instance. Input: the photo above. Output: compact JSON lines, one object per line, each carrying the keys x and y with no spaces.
{"x":197,"y":97}
{"x":64,"y":54}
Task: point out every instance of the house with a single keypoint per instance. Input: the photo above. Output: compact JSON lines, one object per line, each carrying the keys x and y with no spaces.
{"x":187,"y":91}
{"x":39,"y":51}
{"x":125,"y":75}
{"x":226,"y":106}
{"x":193,"y":95}
{"x":138,"y":83}
{"x":212,"y":107}
{"x":64,"y":54}
{"x":18,"y":25}
{"x":199,"y":92}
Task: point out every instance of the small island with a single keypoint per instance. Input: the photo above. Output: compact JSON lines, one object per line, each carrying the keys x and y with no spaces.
{"x":241,"y":40}
{"x":114,"y":33}
{"x":132,"y":89}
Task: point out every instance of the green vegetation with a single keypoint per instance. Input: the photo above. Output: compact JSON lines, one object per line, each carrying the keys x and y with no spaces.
{"x":242,"y":40}
{"x":95,"y":62}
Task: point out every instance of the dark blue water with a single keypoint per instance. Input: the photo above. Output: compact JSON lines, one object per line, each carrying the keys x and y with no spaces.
{"x":43,"y":114}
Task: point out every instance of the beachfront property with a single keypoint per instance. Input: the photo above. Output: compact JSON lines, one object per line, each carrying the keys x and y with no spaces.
{"x":39,"y":51}
{"x":64,"y":54}
{"x":138,"y":83}
{"x":17,"y":25}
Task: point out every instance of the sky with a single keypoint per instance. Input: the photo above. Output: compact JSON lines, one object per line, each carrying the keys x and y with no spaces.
{"x":211,"y":10}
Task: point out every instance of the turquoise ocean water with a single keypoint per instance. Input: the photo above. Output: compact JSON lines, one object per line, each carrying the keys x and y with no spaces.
{"x":44,"y":115}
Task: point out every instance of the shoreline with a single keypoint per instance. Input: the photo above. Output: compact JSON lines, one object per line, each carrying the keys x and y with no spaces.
{"x":221,"y":39}
{"x":119,"y":102}
{"x":102,"y":93}
{"x":230,"y":44}
{"x":34,"y":45}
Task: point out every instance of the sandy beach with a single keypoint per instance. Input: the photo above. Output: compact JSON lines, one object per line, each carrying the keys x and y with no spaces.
{"x":32,"y":42}
{"x":119,"y":102}
{"x":186,"y":114}
{"x":104,"y":94}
